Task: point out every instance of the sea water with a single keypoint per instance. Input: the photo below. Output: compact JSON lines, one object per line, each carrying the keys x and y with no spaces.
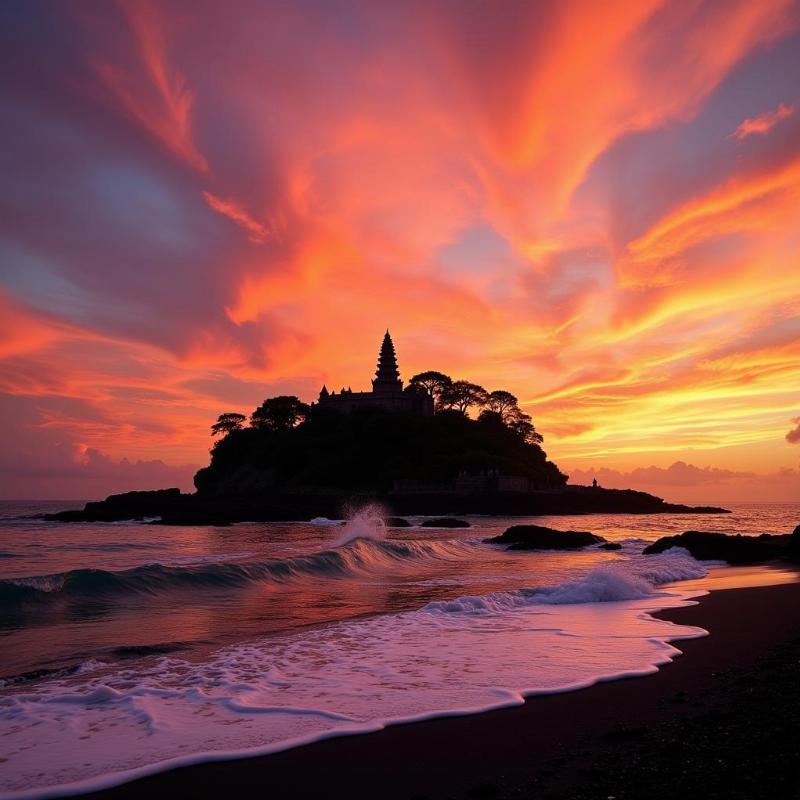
{"x":128,"y":648}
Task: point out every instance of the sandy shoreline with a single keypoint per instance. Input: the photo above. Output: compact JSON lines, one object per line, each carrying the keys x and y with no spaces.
{"x":551,"y":743}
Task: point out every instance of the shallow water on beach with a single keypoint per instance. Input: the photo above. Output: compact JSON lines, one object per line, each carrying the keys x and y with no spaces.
{"x":128,"y":647}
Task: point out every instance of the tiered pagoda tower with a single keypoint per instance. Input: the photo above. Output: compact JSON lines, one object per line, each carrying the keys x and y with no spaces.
{"x":387,"y":375}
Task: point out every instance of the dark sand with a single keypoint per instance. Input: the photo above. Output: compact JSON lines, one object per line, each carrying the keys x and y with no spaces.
{"x":722,"y":721}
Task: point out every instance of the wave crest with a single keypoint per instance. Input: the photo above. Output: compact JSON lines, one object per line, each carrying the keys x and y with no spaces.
{"x":633,"y":580}
{"x":359,"y":555}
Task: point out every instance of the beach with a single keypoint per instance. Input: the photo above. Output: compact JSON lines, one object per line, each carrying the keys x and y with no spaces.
{"x":719,"y":721}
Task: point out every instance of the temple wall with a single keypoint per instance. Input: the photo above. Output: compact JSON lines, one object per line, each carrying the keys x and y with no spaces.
{"x":352,"y":401}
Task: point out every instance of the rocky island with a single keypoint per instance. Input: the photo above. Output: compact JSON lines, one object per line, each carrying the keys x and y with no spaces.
{"x":413,"y":449}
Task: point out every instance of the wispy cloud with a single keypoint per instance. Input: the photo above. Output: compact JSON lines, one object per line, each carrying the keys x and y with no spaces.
{"x":152,"y":91}
{"x":764,"y":122}
{"x":257,"y":231}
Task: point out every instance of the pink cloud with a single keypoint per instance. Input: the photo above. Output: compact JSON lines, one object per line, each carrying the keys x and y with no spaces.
{"x":233,"y":211}
{"x":793,"y":437}
{"x":764,"y":122}
{"x":686,"y":483}
{"x":77,"y":472}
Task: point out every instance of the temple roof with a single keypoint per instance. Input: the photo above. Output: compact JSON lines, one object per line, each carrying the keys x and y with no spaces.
{"x":387,"y":375}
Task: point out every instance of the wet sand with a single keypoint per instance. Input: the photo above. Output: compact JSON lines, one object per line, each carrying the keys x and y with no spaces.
{"x":720,"y":721}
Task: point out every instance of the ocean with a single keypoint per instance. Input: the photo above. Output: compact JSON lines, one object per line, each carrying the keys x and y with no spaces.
{"x":129,"y":648}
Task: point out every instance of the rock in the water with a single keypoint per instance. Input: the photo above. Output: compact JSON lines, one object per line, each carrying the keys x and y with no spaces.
{"x":611,"y":546}
{"x":396,"y":522}
{"x":537,"y":537}
{"x":793,"y":548}
{"x":445,"y":522}
{"x":130,"y":505}
{"x":719,"y":546}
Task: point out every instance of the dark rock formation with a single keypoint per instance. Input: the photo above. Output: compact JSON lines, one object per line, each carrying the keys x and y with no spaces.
{"x":273,"y":505}
{"x":537,"y":537}
{"x":131,"y":505}
{"x":737,"y":549}
{"x":611,"y":546}
{"x":445,"y":522}
{"x":793,"y":548}
{"x":397,"y":522}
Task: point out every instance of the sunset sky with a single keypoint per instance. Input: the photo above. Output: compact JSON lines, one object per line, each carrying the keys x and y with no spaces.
{"x":593,"y":205}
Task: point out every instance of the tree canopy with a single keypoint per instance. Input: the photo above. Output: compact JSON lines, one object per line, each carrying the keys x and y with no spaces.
{"x":501,"y":402}
{"x":230,"y":421}
{"x":434,"y":383}
{"x":497,"y":407}
{"x":463,"y":395}
{"x":279,"y":413}
{"x":522,"y":424}
{"x":369,"y":450}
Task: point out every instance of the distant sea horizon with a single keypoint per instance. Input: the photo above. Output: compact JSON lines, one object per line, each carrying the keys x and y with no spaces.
{"x":57,"y":504}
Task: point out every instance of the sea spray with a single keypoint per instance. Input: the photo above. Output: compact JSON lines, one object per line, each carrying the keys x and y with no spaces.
{"x":366,"y":522}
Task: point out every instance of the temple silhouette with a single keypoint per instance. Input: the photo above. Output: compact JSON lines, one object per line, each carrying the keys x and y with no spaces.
{"x":387,"y":390}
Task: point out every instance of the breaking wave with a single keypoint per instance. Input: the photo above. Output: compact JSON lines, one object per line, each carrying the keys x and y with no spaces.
{"x":629,"y":580}
{"x":357,"y":556}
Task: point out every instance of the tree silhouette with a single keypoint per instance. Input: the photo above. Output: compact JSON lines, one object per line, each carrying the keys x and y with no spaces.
{"x":279,"y":413}
{"x":228,"y":422}
{"x":515,"y":420}
{"x":491,"y":418}
{"x":522,"y":424}
{"x":367,"y":451}
{"x":463,"y":395}
{"x":502,"y":402}
{"x":434,"y":383}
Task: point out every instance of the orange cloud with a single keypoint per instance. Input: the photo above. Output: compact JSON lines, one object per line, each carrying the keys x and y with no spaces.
{"x":561,"y":104}
{"x":153,"y":92}
{"x":21,"y":332}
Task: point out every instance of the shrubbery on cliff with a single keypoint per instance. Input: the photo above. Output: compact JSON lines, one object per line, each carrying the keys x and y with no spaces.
{"x":368,"y":451}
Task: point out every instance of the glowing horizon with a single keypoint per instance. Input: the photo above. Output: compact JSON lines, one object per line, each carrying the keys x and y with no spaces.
{"x":594,"y":208}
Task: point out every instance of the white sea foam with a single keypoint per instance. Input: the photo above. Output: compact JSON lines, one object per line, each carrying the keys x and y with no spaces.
{"x":632,"y":579}
{"x":472,"y":653}
{"x":366,"y":523}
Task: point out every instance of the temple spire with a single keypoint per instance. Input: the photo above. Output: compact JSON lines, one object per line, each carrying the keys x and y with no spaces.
{"x":387,"y":375}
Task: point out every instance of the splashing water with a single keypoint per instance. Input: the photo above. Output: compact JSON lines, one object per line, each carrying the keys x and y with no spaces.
{"x":366,"y":522}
